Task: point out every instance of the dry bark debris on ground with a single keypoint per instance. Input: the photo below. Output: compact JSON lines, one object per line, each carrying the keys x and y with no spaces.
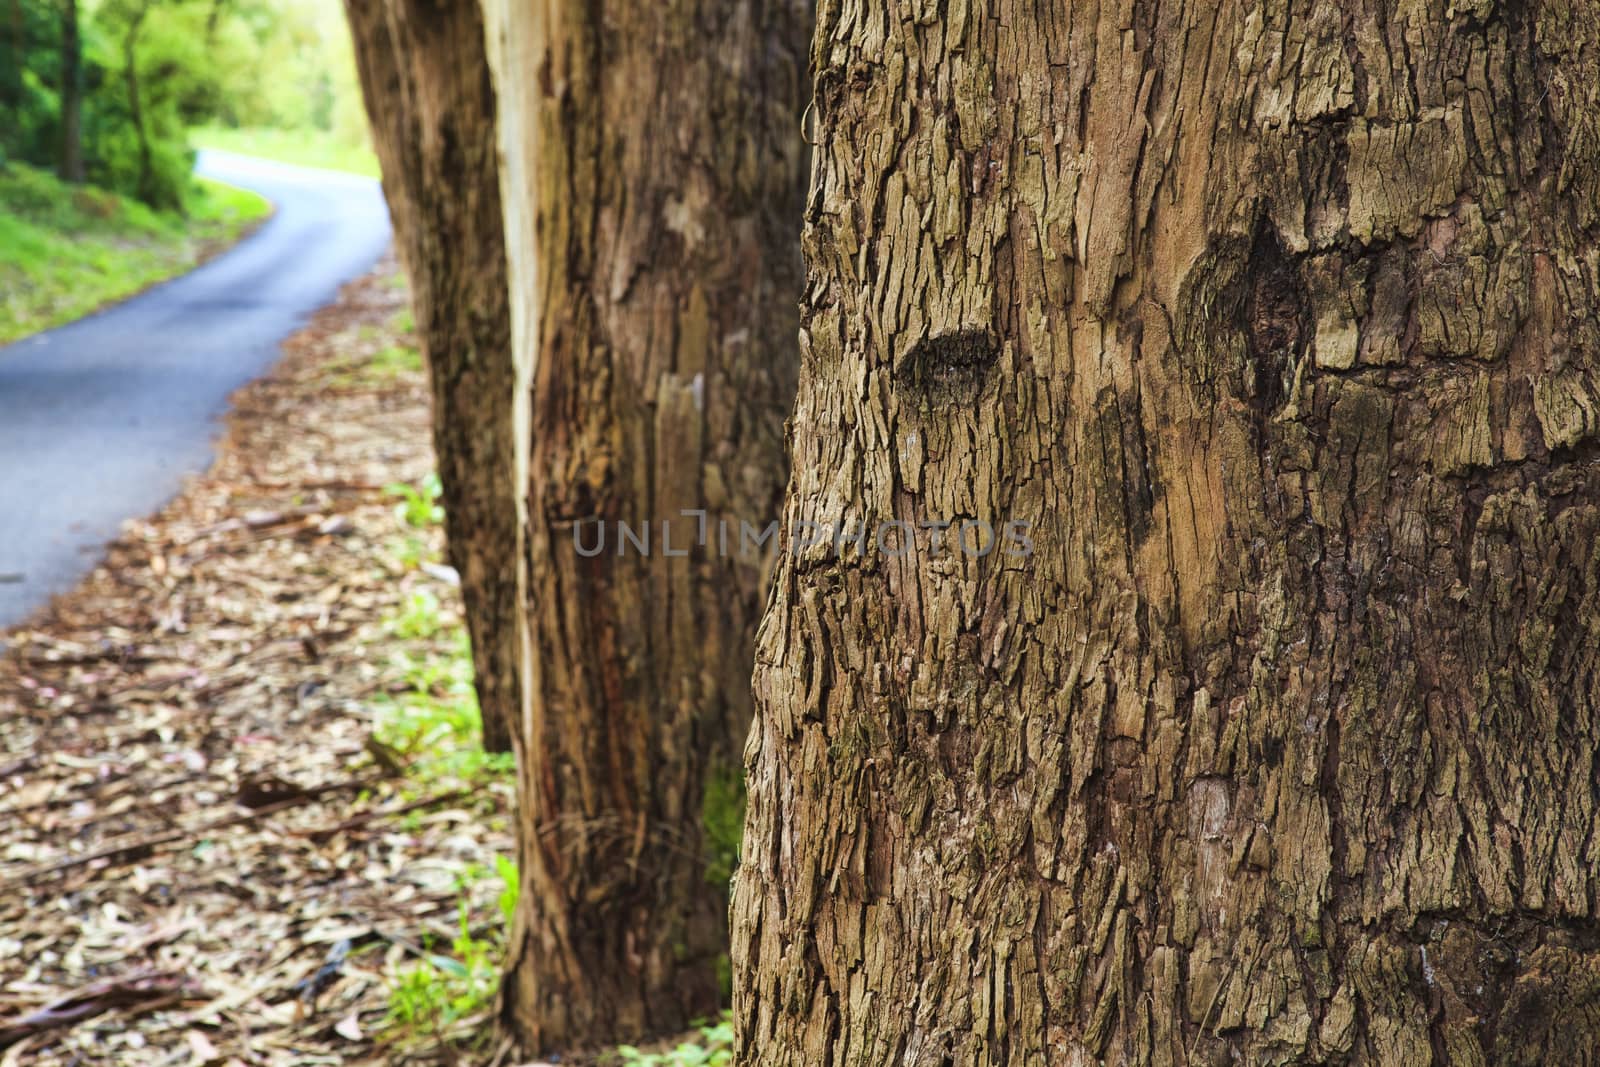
{"x":206,"y":855}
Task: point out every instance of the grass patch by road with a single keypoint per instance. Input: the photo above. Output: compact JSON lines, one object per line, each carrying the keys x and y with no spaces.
{"x":67,"y":250}
{"x":305,"y":148}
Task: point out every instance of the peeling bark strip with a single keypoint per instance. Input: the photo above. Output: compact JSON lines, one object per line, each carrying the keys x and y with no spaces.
{"x":1282,"y":747}
{"x":426,"y":82}
{"x":653,"y":177}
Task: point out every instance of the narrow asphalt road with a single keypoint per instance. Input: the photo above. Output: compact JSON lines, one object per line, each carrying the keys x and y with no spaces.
{"x":101,"y":420}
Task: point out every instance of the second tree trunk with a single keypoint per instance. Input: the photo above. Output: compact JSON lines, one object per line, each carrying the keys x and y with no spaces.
{"x":653,"y":178}
{"x":426,"y":81}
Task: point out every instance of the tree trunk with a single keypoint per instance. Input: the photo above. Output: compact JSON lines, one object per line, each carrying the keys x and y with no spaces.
{"x":15,"y":56}
{"x":431,"y":104}
{"x":1272,"y":736}
{"x":653,"y":169}
{"x":130,"y":77}
{"x":71,"y":94}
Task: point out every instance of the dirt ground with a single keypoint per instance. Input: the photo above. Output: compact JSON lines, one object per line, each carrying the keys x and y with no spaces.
{"x":237,"y":807}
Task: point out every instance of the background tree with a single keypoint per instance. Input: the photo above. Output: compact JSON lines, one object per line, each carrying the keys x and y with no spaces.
{"x":289,"y":66}
{"x":426,"y":82}
{"x":108,"y":91}
{"x":1278,"y":322}
{"x":71,"y":169}
{"x":652,"y":174}
{"x":148,"y":187}
{"x":30,"y":71}
{"x":13,"y":56}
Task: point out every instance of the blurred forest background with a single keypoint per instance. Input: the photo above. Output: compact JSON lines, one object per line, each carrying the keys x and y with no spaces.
{"x":103,"y":104}
{"x":118,"y":92}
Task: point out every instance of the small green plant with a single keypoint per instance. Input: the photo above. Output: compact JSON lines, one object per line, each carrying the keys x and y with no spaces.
{"x":439,"y":710}
{"x":419,"y":505}
{"x":711,"y":1047}
{"x":510,"y":886}
{"x":411,"y":552}
{"x":722,"y":818}
{"x":440,"y":990}
{"x":395,"y":360}
{"x":437,"y":718}
{"x":420,"y":619}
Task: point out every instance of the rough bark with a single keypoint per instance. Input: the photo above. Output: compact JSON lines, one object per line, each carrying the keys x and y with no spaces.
{"x":431,"y":104}
{"x":653,"y":178}
{"x":71,"y":94}
{"x":1277,"y":321}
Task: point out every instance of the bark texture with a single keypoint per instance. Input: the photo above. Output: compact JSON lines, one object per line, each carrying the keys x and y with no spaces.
{"x":430,"y":99}
{"x":1277,"y":321}
{"x":654,"y":176}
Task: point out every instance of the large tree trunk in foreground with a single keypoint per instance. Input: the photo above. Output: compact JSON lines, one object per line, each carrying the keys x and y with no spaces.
{"x":1278,"y":324}
{"x":653,"y":178}
{"x":429,"y":96}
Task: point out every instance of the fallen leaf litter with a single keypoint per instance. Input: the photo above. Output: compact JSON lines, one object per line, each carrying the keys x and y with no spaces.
{"x":205,"y":854}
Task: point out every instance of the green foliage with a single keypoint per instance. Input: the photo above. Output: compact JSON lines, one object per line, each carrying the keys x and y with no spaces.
{"x":436,"y":720}
{"x":442,"y":990}
{"x":722,"y":817}
{"x":138,"y":60}
{"x":420,"y":618}
{"x":419,"y":504}
{"x":712,"y":1047}
{"x":66,"y":250}
{"x":150,"y":69}
{"x":28,"y":76}
{"x":291,"y":67}
{"x":510,"y":887}
{"x":411,"y":552}
{"x":395,"y":360}
{"x":149,"y":57}
{"x":722,"y":820}
{"x":216,"y":202}
{"x":290,"y":91}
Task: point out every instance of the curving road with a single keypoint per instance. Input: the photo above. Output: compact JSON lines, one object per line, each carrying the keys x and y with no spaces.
{"x":101,"y":420}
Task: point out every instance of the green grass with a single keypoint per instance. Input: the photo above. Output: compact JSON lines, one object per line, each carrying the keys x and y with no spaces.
{"x":419,"y":505}
{"x":305,"y":148}
{"x":428,"y":717}
{"x":711,"y":1045}
{"x":427,"y":998}
{"x":67,"y":250}
{"x":434,"y":719}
